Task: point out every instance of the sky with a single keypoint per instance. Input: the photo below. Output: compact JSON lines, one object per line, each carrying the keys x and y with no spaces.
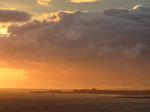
{"x":69,"y":44}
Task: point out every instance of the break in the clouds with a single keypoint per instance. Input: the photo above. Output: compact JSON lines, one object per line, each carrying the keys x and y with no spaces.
{"x":14,"y":16}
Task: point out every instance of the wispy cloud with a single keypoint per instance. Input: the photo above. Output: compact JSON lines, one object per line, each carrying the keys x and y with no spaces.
{"x":82,"y":1}
{"x":44,"y":2}
{"x":47,"y":3}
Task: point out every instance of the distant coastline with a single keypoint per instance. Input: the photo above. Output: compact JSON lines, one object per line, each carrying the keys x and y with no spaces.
{"x":124,"y":93}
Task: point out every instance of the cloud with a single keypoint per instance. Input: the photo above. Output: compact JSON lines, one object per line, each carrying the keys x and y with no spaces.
{"x":82,"y":1}
{"x":48,"y":3}
{"x":133,"y":52}
{"x":109,"y":37}
{"x":14,"y":16}
{"x":141,"y":8}
{"x":138,"y":13}
{"x":44,"y":2}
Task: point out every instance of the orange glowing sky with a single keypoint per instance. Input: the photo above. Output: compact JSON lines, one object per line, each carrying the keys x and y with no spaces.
{"x":61,"y":44}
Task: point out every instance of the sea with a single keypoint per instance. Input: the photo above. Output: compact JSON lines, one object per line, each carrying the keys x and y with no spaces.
{"x":19,"y":100}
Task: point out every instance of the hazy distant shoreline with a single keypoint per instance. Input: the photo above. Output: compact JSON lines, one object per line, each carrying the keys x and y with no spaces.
{"x":123,"y":93}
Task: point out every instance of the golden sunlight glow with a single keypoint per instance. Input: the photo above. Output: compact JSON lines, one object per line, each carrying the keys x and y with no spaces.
{"x":11,"y":74}
{"x":12,"y":8}
{"x":55,"y":16}
{"x":136,"y":7}
{"x":3,"y":31}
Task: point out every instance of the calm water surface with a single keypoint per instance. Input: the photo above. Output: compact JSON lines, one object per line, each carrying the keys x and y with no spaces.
{"x":23,"y":101}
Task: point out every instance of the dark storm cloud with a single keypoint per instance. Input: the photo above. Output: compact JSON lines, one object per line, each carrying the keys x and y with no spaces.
{"x":81,"y":36}
{"x":138,"y":13}
{"x":14,"y":16}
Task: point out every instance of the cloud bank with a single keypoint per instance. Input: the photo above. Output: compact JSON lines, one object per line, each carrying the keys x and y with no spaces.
{"x":14,"y":16}
{"x":115,"y":39}
{"x":82,"y":36}
{"x":138,"y":13}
